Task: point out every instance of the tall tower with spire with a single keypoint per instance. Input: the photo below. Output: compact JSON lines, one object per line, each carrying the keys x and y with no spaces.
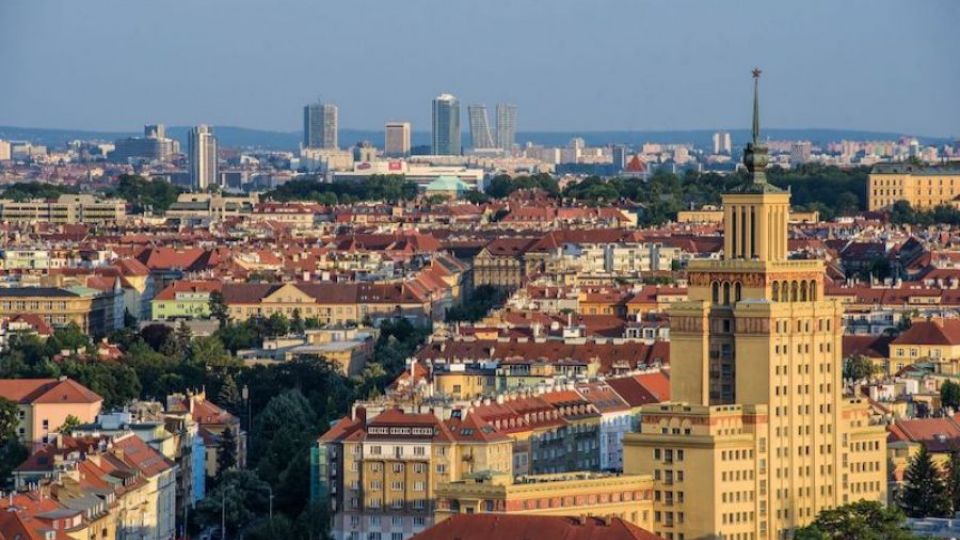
{"x":758,"y":436}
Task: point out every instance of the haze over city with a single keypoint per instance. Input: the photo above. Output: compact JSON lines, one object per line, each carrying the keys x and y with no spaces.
{"x":617,"y":65}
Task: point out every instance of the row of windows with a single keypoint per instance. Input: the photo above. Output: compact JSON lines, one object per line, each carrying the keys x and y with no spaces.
{"x":733,"y":476}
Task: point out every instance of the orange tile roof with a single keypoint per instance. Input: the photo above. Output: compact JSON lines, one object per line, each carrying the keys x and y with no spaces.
{"x":46,"y":391}
{"x":528,"y":527}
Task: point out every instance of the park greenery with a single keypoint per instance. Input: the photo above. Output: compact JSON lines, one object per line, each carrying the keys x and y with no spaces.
{"x":155,"y":195}
{"x":389,"y":188}
{"x":23,"y":191}
{"x":829,"y":190}
{"x":903,"y":214}
{"x":289,"y":404}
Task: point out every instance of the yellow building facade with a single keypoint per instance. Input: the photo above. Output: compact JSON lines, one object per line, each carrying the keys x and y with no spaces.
{"x":628,"y":497}
{"x":922,"y":187}
{"x":758,"y":437}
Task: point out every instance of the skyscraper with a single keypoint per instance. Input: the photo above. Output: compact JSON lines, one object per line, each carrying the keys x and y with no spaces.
{"x":320,"y":125}
{"x":397,"y":139}
{"x":446,"y":126}
{"x":758,"y":437}
{"x":506,"y":127}
{"x":480,"y":136}
{"x":722,"y":143}
{"x":154,"y":131}
{"x":202,"y":148}
{"x":619,"y":153}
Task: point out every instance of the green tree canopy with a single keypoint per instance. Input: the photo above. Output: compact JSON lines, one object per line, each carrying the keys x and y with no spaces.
{"x":861,"y":520}
{"x":950,"y":394}
{"x":924,"y":492}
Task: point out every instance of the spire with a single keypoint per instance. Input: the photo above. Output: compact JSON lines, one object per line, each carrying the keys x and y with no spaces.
{"x":755,"y":154}
{"x":756,"y":106}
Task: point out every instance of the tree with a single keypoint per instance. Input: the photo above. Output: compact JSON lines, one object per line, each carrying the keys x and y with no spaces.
{"x":218,"y":308}
{"x":950,"y":394}
{"x":70,"y":423}
{"x":277,"y":325}
{"x":284,"y":433}
{"x":68,"y":338}
{"x":862,"y":520}
{"x":9,"y":419}
{"x":243,"y":497}
{"x":297,"y":326}
{"x":858,"y":368}
{"x":226,"y":452}
{"x":12,"y":454}
{"x":156,"y":335}
{"x":279,"y":527}
{"x":924,"y":492}
{"x":953,"y":480}
{"x":314,"y":522}
{"x":229,"y":396}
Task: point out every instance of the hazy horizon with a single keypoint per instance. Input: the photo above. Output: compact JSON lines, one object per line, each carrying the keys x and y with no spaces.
{"x":625,"y":65}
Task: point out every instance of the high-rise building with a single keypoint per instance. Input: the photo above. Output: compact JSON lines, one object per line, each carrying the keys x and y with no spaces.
{"x":506,"y":127}
{"x":320,"y":124}
{"x":800,"y":152}
{"x":203,"y":157}
{"x":480,"y":136}
{"x":722,"y":143}
{"x":5,"y":151}
{"x":154,"y":131}
{"x":758,"y":437}
{"x":397,"y":139}
{"x":153,"y":146}
{"x":619,"y":153}
{"x":446,"y":126}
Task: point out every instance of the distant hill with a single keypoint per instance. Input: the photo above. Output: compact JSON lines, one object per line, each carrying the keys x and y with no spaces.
{"x":237,"y":137}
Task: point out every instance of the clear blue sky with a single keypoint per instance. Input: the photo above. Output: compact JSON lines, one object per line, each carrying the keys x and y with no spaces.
{"x":881,"y":65}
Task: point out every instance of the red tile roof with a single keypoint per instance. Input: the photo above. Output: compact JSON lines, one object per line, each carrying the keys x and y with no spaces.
{"x":46,"y":391}
{"x":642,"y":389}
{"x":527,"y":527}
{"x":931,"y":332}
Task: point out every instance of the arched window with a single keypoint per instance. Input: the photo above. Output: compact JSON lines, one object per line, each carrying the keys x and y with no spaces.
{"x":726,"y":293}
{"x":776,"y":291}
{"x":716,"y":292}
{"x":736,"y":292}
{"x":794,"y":290}
{"x":813,"y":290}
{"x":803,"y":291}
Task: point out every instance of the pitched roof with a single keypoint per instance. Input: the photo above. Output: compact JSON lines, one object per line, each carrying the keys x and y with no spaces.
{"x":937,"y":434}
{"x":931,"y":332}
{"x":46,"y":391}
{"x":642,"y":389}
{"x":528,"y":527}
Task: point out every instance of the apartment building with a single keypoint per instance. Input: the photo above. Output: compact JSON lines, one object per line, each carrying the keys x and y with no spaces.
{"x":380,"y":474}
{"x":66,"y":209}
{"x":96,"y":312}
{"x":921,"y":186}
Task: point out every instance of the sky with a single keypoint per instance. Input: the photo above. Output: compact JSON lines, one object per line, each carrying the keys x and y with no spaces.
{"x":590,"y":65}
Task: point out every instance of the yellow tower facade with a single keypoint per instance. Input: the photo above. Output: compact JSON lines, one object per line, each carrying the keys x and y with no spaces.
{"x":758,"y":437}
